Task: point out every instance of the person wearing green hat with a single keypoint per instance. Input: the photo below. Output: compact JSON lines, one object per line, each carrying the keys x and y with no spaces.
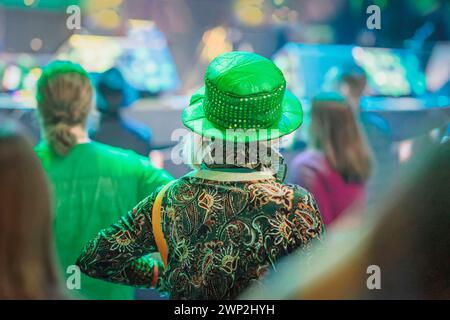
{"x":223,"y":225}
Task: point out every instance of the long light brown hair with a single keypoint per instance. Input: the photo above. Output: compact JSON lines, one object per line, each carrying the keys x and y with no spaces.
{"x":335,"y":131}
{"x":64,"y":100}
{"x":27,"y":269}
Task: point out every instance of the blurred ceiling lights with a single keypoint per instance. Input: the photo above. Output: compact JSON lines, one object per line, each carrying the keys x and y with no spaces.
{"x":104,"y":13}
{"x":249,"y":12}
{"x":29,"y":3}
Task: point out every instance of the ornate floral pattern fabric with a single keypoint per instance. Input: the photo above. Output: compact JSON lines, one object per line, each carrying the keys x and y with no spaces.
{"x":221,"y":236}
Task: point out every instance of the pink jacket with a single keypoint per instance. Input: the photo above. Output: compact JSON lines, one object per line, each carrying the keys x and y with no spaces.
{"x":311,"y":170}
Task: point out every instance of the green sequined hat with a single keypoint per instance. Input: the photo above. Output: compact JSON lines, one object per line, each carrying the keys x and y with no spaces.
{"x":244,"y":99}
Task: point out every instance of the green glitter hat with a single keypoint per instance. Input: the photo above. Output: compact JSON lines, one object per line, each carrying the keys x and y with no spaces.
{"x":244,"y":99}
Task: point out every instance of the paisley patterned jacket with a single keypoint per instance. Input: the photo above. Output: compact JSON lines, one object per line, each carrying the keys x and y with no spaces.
{"x":223,"y":230}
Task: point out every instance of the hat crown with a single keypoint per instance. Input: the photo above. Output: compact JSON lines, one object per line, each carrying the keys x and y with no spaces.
{"x":244,"y":74}
{"x":243,"y":90}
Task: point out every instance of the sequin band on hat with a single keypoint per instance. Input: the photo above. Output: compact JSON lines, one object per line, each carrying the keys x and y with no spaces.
{"x":250,"y":112}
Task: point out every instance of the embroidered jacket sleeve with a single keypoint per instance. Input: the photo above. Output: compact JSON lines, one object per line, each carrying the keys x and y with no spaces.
{"x":308,"y":219}
{"x":121,"y":253}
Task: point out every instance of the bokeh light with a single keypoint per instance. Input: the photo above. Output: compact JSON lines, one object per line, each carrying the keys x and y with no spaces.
{"x":250,"y":12}
{"x":215,"y":42}
{"x":36,"y":44}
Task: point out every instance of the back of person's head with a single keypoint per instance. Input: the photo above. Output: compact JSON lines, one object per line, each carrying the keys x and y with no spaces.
{"x":113,"y":91}
{"x":349,"y":80}
{"x":335,"y":131}
{"x":354,"y":78}
{"x":64,"y":100}
{"x":26,"y":248}
{"x":262,"y":155}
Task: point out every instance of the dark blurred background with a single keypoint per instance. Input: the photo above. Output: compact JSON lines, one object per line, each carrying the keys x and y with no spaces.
{"x":162,"y":48}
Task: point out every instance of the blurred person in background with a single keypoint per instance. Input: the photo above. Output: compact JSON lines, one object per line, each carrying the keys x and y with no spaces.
{"x":402,"y":253}
{"x":113,"y":94}
{"x":27,"y":264}
{"x":351,"y":82}
{"x":226,"y":223}
{"x":337,"y":165}
{"x":93,"y":183}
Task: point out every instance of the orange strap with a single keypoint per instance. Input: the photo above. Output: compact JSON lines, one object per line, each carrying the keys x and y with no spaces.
{"x":161,"y":243}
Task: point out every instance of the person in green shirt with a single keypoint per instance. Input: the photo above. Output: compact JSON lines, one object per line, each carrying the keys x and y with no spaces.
{"x":93,"y":184}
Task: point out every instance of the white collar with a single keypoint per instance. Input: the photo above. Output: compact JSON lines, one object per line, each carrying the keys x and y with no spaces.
{"x":229,"y":175}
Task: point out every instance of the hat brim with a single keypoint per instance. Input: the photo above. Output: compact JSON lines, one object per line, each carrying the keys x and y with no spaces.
{"x":195,"y":119}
